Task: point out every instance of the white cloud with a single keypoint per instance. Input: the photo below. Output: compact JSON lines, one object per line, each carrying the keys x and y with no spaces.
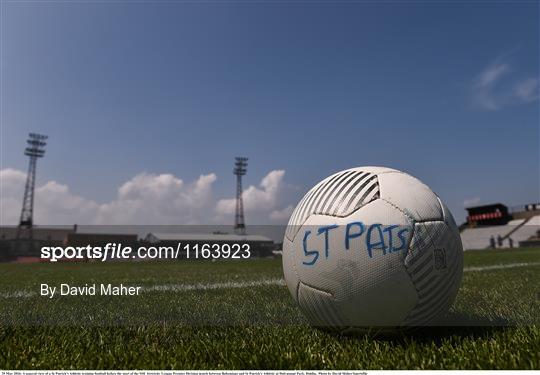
{"x":57,"y":205}
{"x":282,"y":216}
{"x":485,"y":93}
{"x":498,"y":86}
{"x":11,"y":184}
{"x":527,"y":90}
{"x":11,"y":179}
{"x":492,"y":74}
{"x":255,"y":198}
{"x":159,"y":199}
{"x":146,"y":198}
{"x":260,"y":201}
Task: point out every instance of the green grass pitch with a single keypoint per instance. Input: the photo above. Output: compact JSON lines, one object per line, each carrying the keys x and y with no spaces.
{"x":200,"y":315}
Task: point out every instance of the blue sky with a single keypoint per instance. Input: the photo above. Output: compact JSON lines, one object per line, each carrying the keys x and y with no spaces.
{"x":447,"y":92}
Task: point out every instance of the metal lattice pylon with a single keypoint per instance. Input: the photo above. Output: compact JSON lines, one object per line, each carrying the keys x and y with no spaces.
{"x":35,"y":150}
{"x":240,"y":170}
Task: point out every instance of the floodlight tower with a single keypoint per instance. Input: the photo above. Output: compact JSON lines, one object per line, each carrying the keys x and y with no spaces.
{"x":240,"y":170}
{"x":35,"y":150}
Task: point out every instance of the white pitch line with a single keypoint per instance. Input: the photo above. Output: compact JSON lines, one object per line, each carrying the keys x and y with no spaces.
{"x":200,"y":286}
{"x":252,"y":283}
{"x":18,"y":294}
{"x":500,"y":267}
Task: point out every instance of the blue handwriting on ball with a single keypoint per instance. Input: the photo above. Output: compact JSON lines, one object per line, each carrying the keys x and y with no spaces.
{"x":386,"y":238}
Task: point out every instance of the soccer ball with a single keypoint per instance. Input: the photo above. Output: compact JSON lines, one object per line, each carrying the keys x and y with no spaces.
{"x":372,"y":247}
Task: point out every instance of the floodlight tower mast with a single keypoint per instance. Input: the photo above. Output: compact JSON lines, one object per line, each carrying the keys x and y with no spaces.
{"x":35,"y":150}
{"x":240,"y":170}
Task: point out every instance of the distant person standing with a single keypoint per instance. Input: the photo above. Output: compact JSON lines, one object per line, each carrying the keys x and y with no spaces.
{"x":492,"y":242}
{"x":510,"y":242}
{"x":499,"y":241}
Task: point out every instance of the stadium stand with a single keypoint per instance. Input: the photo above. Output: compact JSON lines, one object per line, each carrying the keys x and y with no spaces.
{"x":518,"y":230}
{"x":528,"y":230}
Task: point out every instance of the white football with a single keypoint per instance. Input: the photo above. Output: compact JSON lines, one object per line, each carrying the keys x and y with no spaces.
{"x":372,"y":247}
